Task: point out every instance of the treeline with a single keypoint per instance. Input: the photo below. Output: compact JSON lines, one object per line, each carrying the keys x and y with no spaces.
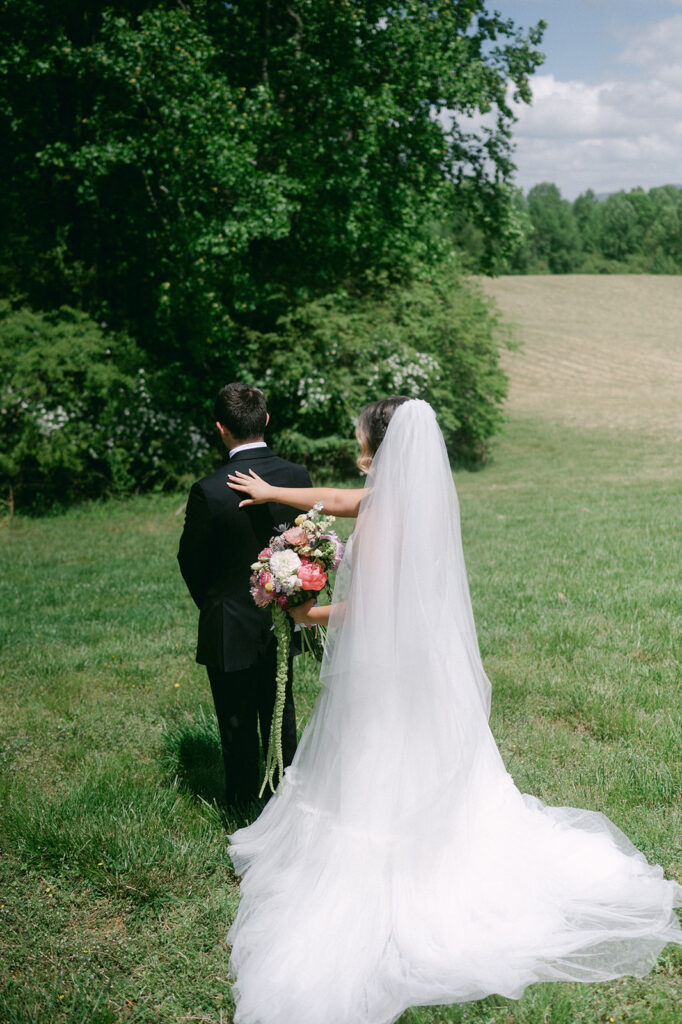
{"x":625,"y":232}
{"x":194,"y":193}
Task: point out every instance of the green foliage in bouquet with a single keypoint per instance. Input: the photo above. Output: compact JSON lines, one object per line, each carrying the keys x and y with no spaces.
{"x":437,"y":339}
{"x":77,"y":417}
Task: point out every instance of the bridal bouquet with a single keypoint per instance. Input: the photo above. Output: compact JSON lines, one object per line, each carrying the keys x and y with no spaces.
{"x":289,"y":571}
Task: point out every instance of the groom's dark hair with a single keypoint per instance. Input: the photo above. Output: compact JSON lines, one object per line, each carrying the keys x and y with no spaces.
{"x":242,"y":409}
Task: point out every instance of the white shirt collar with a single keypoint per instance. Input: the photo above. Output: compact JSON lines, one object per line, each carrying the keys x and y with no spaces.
{"x":245,"y":447}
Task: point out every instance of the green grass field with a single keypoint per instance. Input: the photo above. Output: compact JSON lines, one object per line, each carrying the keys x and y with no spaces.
{"x":117,"y":891}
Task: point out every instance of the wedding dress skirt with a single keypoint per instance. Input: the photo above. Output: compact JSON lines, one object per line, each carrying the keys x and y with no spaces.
{"x":398,"y":864}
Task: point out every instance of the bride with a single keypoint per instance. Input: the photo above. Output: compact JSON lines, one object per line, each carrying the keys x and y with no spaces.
{"x":398,"y":864}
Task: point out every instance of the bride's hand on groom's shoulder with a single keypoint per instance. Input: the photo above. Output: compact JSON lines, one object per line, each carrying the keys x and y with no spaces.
{"x":254,"y":486}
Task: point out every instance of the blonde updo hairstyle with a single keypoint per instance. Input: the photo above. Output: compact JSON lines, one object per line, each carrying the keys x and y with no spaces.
{"x":371,"y":427}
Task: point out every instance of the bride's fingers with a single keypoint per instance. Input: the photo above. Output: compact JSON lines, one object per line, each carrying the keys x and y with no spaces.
{"x":251,"y":475}
{"x":239,"y":481}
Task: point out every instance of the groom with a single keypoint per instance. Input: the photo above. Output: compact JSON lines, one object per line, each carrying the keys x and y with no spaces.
{"x":218,"y":544}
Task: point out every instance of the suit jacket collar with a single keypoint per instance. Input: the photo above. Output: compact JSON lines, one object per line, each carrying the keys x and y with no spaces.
{"x":250,"y":455}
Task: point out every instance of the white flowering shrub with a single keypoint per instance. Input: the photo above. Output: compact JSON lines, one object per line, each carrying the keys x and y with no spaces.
{"x":401,"y":371}
{"x":77,"y":416}
{"x":436,"y":339}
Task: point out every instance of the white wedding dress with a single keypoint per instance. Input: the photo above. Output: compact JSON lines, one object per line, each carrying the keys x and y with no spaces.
{"x":398,"y":865}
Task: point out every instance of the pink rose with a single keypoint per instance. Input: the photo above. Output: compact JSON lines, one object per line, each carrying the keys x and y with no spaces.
{"x":265,"y":553}
{"x":265,"y":577}
{"x":312,"y":576}
{"x":296,"y":535}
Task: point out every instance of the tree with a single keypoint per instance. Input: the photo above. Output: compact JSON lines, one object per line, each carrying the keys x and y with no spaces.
{"x":492,"y":233}
{"x":156,"y":164}
{"x":556,"y":240}
{"x":619,"y":234}
{"x":631,"y":232}
{"x":190,"y":173}
{"x":586,"y":214}
{"x":663,"y":239}
{"x":226,"y":160}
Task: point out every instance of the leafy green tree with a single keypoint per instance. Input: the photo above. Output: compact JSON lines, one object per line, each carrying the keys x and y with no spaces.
{"x":619,"y":232}
{"x":193,"y":174}
{"x":586,"y":214}
{"x":663,"y":239}
{"x":644,"y":207}
{"x":481,"y":250}
{"x":631,"y":232}
{"x":222,"y":161}
{"x":165,"y":195}
{"x":519,"y":255}
{"x":556,"y":239}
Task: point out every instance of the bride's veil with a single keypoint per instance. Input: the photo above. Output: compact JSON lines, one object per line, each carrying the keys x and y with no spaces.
{"x":398,"y":864}
{"x":405,"y":697}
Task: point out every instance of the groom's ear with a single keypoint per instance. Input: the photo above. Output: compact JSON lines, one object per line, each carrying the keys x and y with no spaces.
{"x":267,"y":418}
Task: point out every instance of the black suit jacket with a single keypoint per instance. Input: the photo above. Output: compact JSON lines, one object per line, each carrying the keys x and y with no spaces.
{"x":218,"y":544}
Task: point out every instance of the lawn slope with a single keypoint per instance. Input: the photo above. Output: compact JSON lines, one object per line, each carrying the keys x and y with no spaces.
{"x":115,"y":888}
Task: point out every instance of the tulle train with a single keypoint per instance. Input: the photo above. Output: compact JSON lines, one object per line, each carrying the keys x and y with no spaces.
{"x":398,"y":865}
{"x":345,"y":925}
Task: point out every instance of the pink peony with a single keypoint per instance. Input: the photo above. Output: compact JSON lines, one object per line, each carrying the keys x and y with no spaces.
{"x":265,"y":577}
{"x":265,"y":553}
{"x":296,"y":535}
{"x":312,"y":576}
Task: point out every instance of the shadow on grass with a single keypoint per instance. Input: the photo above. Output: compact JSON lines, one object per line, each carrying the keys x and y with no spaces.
{"x":192,"y":757}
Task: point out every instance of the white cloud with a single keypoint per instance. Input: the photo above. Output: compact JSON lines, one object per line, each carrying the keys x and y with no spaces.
{"x":614,"y":134}
{"x":656,"y":44}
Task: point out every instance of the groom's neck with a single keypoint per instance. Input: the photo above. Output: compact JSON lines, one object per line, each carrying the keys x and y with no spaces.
{"x":234,"y":443}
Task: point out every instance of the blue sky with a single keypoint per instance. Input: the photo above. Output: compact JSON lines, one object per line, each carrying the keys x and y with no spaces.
{"x":607,"y":106}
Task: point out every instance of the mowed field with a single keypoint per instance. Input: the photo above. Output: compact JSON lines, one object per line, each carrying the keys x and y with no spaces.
{"x":116,"y":891}
{"x":598,"y":351}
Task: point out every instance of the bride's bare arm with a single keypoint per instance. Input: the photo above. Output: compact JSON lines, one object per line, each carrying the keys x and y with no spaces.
{"x":310,"y":614}
{"x":337,"y":501}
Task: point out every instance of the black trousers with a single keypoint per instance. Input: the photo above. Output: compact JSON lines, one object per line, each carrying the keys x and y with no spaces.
{"x":244,"y":701}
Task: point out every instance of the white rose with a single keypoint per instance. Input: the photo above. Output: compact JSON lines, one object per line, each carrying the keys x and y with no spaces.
{"x":284,"y":563}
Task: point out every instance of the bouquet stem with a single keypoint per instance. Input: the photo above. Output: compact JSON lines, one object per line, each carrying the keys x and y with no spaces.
{"x":312,"y":641}
{"x":274,"y":762}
